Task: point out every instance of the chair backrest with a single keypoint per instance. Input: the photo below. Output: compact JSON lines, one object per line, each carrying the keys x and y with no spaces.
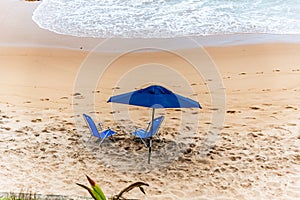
{"x":156,"y":124}
{"x":91,"y":125}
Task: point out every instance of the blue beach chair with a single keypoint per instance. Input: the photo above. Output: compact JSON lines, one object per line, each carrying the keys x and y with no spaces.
{"x":93,"y":128}
{"x":144,"y":134}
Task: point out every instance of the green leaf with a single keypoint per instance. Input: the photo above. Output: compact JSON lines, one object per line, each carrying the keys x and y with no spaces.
{"x":97,"y":191}
{"x":88,"y":189}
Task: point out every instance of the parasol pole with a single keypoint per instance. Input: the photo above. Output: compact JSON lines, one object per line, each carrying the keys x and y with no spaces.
{"x":151,"y":131}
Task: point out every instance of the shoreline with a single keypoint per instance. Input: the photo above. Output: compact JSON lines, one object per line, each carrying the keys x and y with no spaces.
{"x":25,"y":33}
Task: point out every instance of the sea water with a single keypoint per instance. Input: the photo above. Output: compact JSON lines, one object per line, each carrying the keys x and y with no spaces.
{"x":167,"y":18}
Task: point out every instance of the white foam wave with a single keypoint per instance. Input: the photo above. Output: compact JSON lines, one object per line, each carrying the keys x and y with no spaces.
{"x":167,"y":18}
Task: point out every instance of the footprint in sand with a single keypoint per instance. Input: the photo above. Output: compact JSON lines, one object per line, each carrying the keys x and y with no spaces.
{"x":266,"y":90}
{"x":290,"y":107}
{"x":242,"y":73}
{"x":78,"y":95}
{"x":5,"y":128}
{"x":231,"y":111}
{"x":45,"y":99}
{"x":296,"y":70}
{"x":5,"y":117}
{"x":54,"y":117}
{"x":45,"y":131}
{"x":36,"y":120}
{"x":26,"y":128}
{"x":69,"y":123}
{"x":254,"y":108}
{"x":96,"y":91}
{"x":276,"y":70}
{"x":250,"y":117}
{"x":267,"y":104}
{"x":259,"y":72}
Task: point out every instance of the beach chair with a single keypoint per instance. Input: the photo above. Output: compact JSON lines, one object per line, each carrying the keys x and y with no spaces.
{"x":102,"y":135}
{"x":147,"y":133}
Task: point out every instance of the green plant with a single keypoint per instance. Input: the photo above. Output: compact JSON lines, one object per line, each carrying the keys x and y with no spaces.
{"x":20,"y":196}
{"x":97,"y":193}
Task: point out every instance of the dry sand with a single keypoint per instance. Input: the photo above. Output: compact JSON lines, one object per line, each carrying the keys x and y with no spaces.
{"x":256,"y":156}
{"x":43,"y":138}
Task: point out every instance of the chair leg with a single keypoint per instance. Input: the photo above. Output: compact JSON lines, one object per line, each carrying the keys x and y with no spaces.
{"x":101,"y":142}
{"x":144,"y":142}
{"x":103,"y":139}
{"x":149,"y":153}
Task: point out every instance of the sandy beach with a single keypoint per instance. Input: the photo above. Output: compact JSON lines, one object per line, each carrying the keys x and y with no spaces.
{"x":43,"y":137}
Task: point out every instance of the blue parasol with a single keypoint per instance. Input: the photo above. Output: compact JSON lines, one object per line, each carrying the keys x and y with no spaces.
{"x":154,"y":96}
